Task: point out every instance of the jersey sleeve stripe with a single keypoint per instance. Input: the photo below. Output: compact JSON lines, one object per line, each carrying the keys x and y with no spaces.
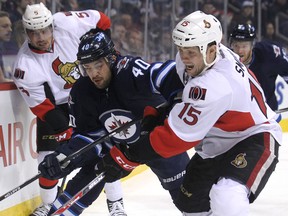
{"x":104,"y":22}
{"x":158,"y":80}
{"x":166,"y":143}
{"x":41,"y":109}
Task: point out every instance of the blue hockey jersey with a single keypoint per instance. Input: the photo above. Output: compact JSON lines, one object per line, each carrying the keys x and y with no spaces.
{"x":129,"y":92}
{"x":268,"y":61}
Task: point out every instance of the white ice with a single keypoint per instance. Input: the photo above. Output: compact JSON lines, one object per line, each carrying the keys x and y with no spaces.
{"x":144,"y":196}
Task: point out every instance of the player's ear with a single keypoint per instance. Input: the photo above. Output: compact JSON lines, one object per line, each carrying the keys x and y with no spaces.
{"x":211,"y":53}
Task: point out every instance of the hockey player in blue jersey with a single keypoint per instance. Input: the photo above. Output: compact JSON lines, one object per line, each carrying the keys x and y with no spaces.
{"x":265,"y":59}
{"x":114,"y":89}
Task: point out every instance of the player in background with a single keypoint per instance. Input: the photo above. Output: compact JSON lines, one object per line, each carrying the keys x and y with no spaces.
{"x":267,"y":60}
{"x":45,"y":70}
{"x":114,"y":89}
{"x":223,"y":115}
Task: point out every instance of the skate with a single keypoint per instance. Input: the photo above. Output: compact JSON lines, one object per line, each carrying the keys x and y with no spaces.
{"x":116,"y":208}
{"x":42,"y":210}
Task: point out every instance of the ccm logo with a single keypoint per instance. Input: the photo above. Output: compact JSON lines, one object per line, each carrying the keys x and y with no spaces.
{"x":124,"y":164}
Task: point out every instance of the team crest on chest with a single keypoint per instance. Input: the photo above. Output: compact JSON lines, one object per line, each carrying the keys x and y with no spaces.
{"x":113,"y":119}
{"x":240,"y":161}
{"x":67,"y":71}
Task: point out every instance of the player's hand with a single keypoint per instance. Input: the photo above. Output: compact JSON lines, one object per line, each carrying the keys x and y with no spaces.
{"x":152,"y":117}
{"x":51,"y":168}
{"x":116,"y":164}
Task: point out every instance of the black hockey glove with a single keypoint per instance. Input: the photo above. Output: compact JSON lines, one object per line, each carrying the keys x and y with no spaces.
{"x":51,"y":168}
{"x":116,"y":164}
{"x":152,"y":117}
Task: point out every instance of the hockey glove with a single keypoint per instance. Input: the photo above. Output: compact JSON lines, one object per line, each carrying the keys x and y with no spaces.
{"x":51,"y":168}
{"x":116,"y":164}
{"x":152,"y":117}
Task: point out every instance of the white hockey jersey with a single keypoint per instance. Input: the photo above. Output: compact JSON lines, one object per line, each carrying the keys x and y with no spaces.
{"x":57,"y":68}
{"x":219,"y":108}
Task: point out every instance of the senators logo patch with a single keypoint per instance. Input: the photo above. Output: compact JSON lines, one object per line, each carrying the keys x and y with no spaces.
{"x":240,"y":161}
{"x":207,"y":24}
{"x":19,"y":74}
{"x":197,"y":93}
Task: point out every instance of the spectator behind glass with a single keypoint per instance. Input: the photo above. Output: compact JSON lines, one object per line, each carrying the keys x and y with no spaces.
{"x":245,"y":16}
{"x":209,"y":7}
{"x":119,"y":36}
{"x":18,"y":10}
{"x":135,"y":42}
{"x":5,"y":36}
{"x":278,"y":6}
{"x":270,"y":35}
{"x":18,"y":33}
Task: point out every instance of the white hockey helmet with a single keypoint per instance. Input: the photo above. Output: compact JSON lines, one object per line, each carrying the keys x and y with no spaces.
{"x":197,"y":29}
{"x":37,"y":16}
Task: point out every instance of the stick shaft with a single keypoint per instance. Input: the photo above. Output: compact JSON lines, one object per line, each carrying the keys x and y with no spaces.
{"x":80,"y":194}
{"x":281,"y":110}
{"x":16,"y":189}
{"x":75,"y":154}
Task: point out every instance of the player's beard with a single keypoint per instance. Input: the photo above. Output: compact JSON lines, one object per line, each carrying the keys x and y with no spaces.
{"x":101,"y":83}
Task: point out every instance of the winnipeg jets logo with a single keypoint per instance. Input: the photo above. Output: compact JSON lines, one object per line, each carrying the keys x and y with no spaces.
{"x":113,"y":119}
{"x":118,"y":123}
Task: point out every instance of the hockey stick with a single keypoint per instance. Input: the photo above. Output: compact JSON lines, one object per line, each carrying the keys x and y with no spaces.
{"x":61,"y":189}
{"x":281,"y":110}
{"x":80,"y":194}
{"x":75,"y":154}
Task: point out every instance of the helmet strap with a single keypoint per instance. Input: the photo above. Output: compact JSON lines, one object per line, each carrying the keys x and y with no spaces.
{"x":204,"y":51}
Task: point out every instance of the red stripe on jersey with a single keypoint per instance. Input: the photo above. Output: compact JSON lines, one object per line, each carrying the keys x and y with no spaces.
{"x":264,"y":157}
{"x":235,"y":121}
{"x":253,"y":75}
{"x":166,"y":143}
{"x":41,"y":109}
{"x":104,"y":22}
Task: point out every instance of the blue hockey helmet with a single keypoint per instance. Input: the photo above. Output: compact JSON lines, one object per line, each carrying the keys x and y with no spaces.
{"x":243,"y":32}
{"x":94,"y":47}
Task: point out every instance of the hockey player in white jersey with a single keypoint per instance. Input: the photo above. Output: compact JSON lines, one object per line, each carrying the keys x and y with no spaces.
{"x":223,"y":115}
{"x":44,"y":72}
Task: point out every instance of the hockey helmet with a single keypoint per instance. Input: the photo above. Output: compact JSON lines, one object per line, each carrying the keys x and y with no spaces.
{"x":37,"y":16}
{"x":94,"y":47}
{"x":198,"y":29}
{"x":243,"y":32}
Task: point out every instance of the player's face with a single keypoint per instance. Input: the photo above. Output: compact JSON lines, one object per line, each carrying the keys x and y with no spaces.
{"x":99,"y":72}
{"x":193,"y":60}
{"x":243,"y":49}
{"x":41,"y":38}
